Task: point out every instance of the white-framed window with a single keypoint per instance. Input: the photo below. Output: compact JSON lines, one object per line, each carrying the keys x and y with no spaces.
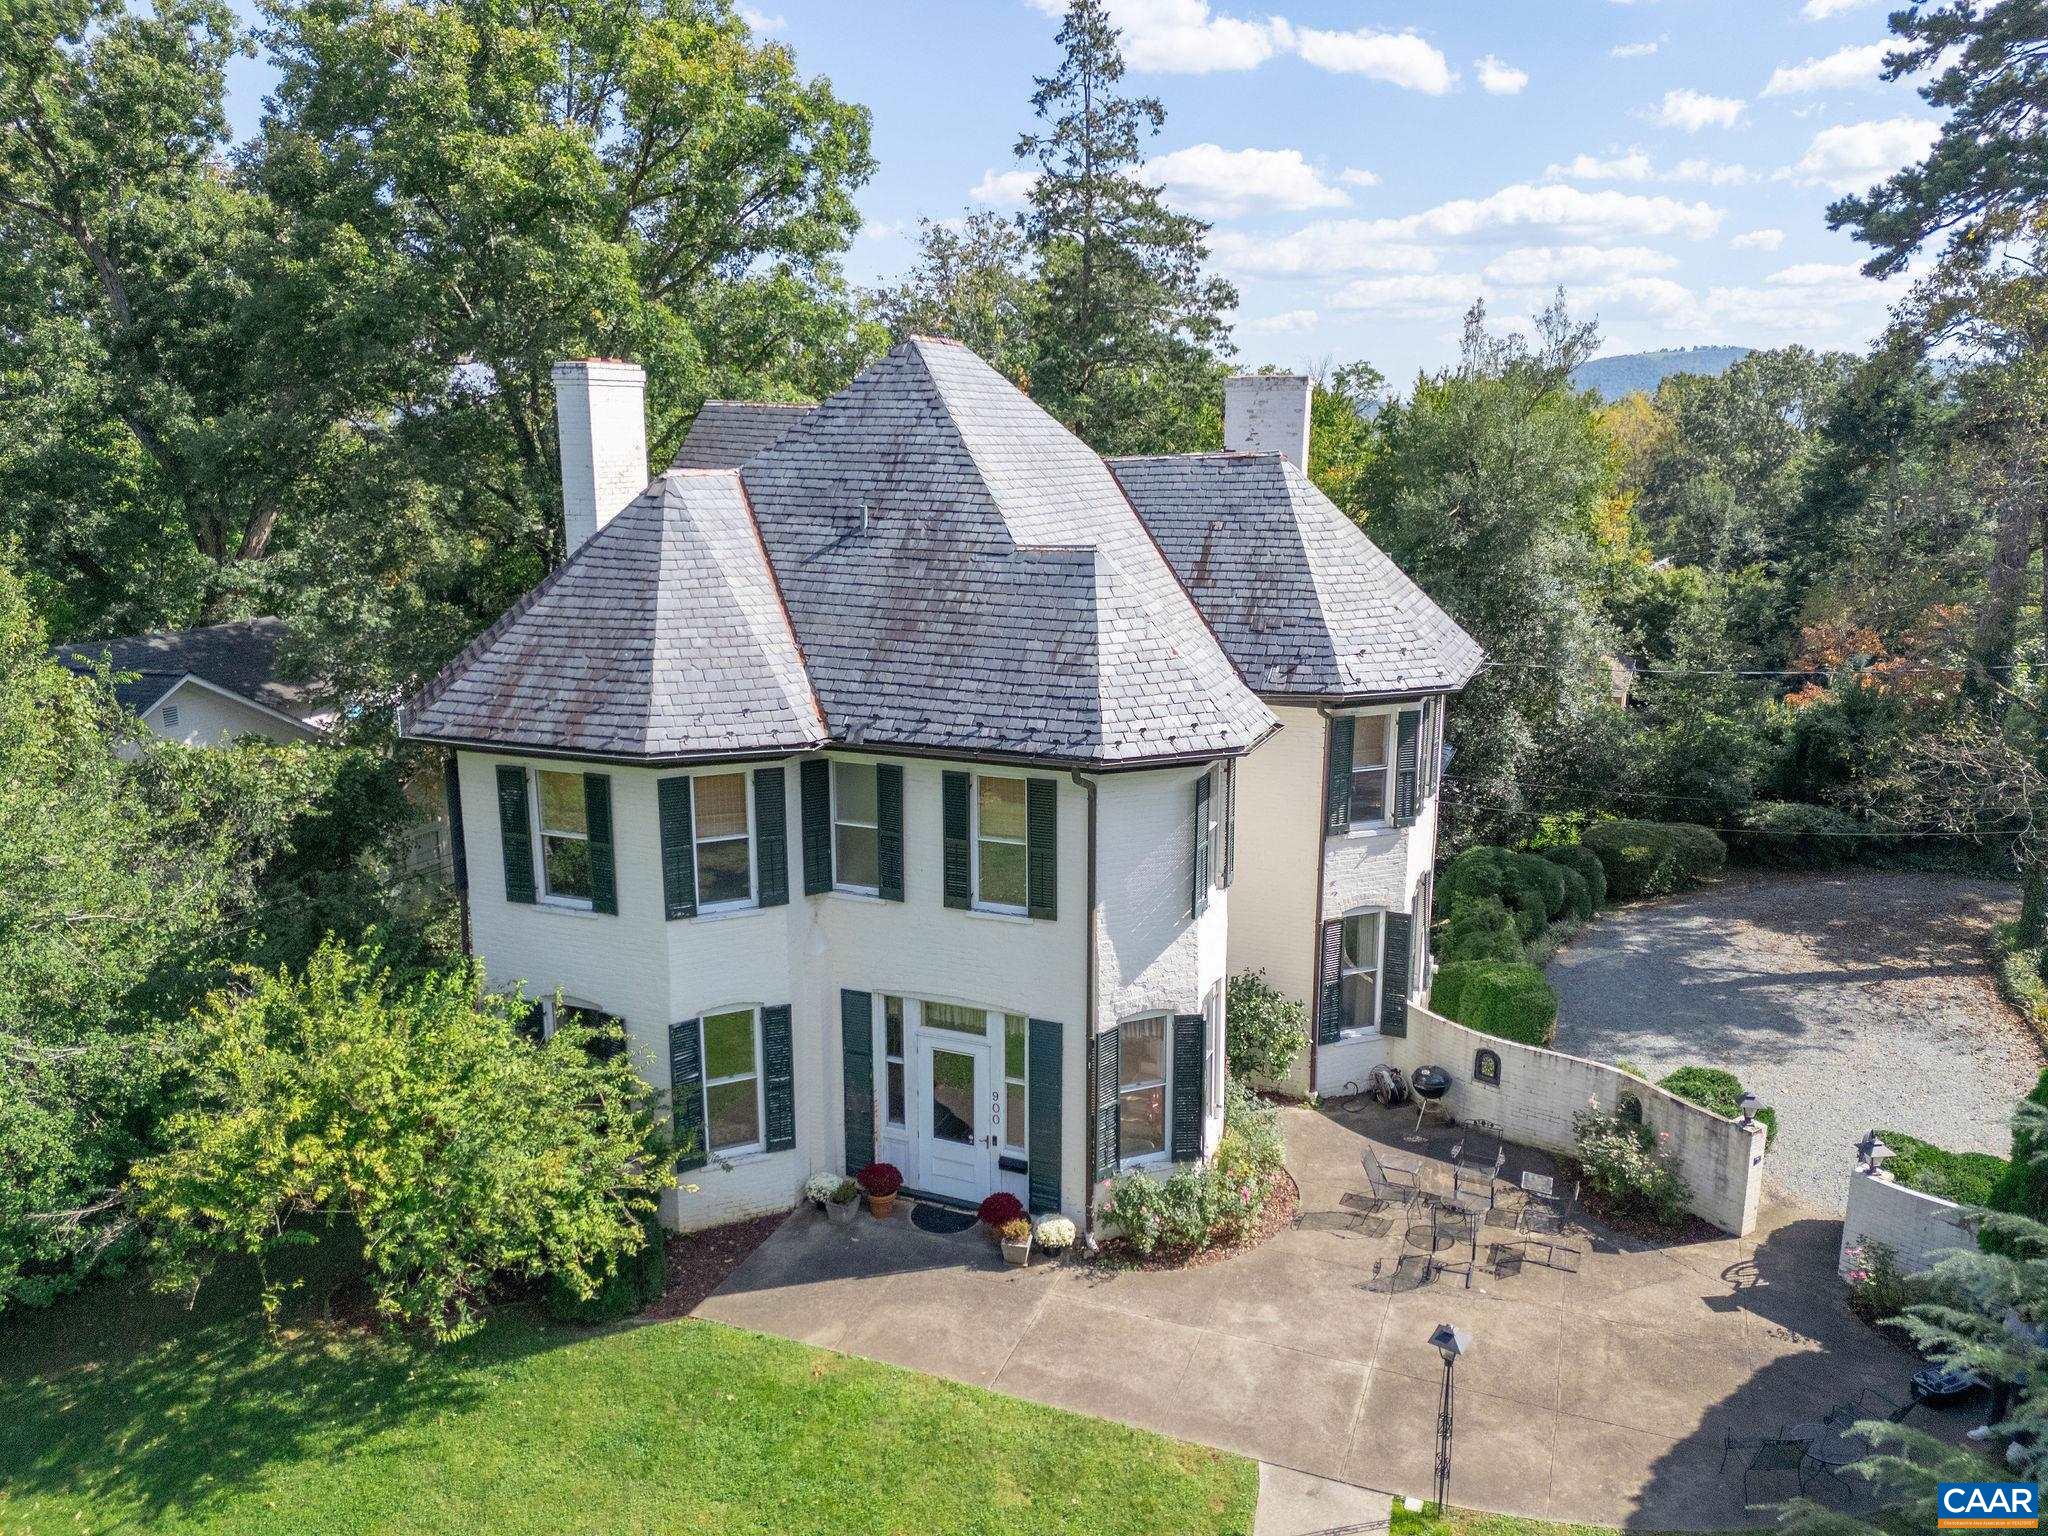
{"x":1360,"y":971}
{"x":856,"y":829}
{"x":1016,"y":1101}
{"x":564,"y":837}
{"x":1372,"y":769}
{"x":1144,"y":1060}
{"x":1001,"y":845}
{"x":733,"y":1110}
{"x":722,"y":825}
{"x":892,"y":1061}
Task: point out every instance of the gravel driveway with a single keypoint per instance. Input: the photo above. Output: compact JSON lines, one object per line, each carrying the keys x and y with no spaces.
{"x":1846,"y":1000}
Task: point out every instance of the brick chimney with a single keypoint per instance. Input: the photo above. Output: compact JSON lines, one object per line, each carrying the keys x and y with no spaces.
{"x":1268,"y":413}
{"x":601,"y":418}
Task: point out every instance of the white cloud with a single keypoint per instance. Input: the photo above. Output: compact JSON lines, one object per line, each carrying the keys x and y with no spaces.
{"x":1657,"y":296}
{"x":1003,"y":189}
{"x":1758,"y":240}
{"x":1633,"y":166}
{"x":1352,"y":176}
{"x":1853,"y":156}
{"x":1837,"y":71}
{"x":1546,"y":265}
{"x":1219,"y":183}
{"x":1835,"y":315}
{"x":1184,"y":36}
{"x":1821,"y":10}
{"x":884,"y":229}
{"x":1419,"y":296}
{"x":1399,"y":58}
{"x":1713,"y":173}
{"x":1498,"y":79}
{"x":1693,"y":110}
{"x":1322,"y":248}
{"x":1816,"y":274}
{"x":1632,"y":50}
{"x":1287,"y":323}
{"x":762,"y":24}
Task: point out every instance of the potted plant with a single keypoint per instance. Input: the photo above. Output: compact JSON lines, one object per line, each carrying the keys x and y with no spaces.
{"x":836,"y":1196}
{"x":998,"y":1211}
{"x":879,"y":1182}
{"x":1055,"y":1234}
{"x":1016,"y":1238}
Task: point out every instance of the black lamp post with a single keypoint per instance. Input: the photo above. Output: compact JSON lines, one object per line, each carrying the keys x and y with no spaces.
{"x":1450,"y":1343}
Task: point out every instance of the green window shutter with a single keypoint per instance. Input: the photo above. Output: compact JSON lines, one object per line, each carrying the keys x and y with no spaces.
{"x":771,"y":836}
{"x":1200,"y":862}
{"x":778,"y":1077}
{"x":1407,"y":731}
{"x":458,"y":848}
{"x":857,"y":1044}
{"x":686,"y":1093}
{"x":958,"y":864}
{"x":515,"y":830}
{"x":1229,"y":822}
{"x":1186,"y":1136}
{"x":1394,"y":969}
{"x":889,"y":830}
{"x":1330,"y":1004}
{"x":814,"y":778}
{"x":604,"y":864}
{"x":1043,"y":1057}
{"x":1108,"y":1073}
{"x":678,"y":849}
{"x":1042,"y":848}
{"x":1337,"y":776}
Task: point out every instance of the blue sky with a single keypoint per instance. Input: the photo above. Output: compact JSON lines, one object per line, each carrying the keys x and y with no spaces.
{"x":1371,"y":167}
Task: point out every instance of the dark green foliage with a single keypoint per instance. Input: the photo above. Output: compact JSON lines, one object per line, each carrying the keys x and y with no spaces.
{"x":2022,"y":1188}
{"x":1479,"y":928}
{"x":1578,"y":900}
{"x":1782,"y":834}
{"x":1654,"y":858}
{"x":1511,"y":878}
{"x":1264,"y":1031}
{"x":634,"y":1283}
{"x":1712,"y":1088}
{"x":1968,"y":1178}
{"x":1588,"y":866}
{"x":1512,"y":1001}
{"x":1540,"y":879}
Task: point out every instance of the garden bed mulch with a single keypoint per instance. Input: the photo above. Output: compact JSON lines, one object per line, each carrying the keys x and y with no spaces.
{"x":698,"y":1262}
{"x":1281,"y":1205}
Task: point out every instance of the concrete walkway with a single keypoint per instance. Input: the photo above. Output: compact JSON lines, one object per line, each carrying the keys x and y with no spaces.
{"x":1600,"y":1397}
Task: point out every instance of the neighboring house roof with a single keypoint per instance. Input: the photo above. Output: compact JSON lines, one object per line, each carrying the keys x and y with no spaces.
{"x":239,"y":658}
{"x":962,"y":576}
{"x":727,"y":433}
{"x":1303,"y":602}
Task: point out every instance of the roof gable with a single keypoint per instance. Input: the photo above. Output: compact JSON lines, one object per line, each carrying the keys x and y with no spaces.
{"x":239,"y":657}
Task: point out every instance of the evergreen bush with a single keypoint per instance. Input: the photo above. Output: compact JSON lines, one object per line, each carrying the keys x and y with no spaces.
{"x":1512,"y":1001}
{"x":1480,"y":929}
{"x":1712,"y":1088}
{"x":1783,"y":834}
{"x":1654,"y":858}
{"x":1587,"y":863}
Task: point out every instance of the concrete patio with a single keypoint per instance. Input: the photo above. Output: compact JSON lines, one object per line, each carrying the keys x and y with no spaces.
{"x":1600,"y":1396}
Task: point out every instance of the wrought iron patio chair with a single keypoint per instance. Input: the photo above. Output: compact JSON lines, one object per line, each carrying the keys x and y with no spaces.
{"x":1392,"y":1185}
{"x":1774,"y":1456}
{"x":1869,"y":1404}
{"x":1475,"y":1175}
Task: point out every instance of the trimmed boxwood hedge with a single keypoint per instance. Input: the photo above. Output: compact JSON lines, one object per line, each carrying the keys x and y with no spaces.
{"x":1540,"y":877}
{"x":1712,"y":1088}
{"x":1784,"y":834}
{"x":1588,"y":866}
{"x":1481,"y":872}
{"x":1496,"y":997}
{"x":1480,"y":929}
{"x":1654,"y":858}
{"x":1578,"y":900}
{"x":1968,"y":1178}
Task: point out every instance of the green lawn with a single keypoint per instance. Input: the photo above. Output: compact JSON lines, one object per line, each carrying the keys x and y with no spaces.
{"x":119,"y":1411}
{"x":1471,"y":1522}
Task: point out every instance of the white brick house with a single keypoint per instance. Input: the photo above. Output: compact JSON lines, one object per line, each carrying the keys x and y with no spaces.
{"x":876,"y":769}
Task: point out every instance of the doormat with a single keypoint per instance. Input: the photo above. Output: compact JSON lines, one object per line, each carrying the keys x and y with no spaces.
{"x":939,"y":1220}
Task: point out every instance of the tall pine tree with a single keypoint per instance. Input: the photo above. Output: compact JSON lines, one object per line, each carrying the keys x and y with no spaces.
{"x":1132,"y":339}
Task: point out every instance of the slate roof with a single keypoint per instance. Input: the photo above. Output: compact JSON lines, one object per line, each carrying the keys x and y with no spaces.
{"x":240,"y":657}
{"x":662,"y":637}
{"x":727,"y":433}
{"x":1303,"y":602}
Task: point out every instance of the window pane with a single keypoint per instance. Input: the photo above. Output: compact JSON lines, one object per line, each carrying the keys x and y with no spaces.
{"x":1002,"y":807}
{"x":1358,"y":1002}
{"x":1369,"y":795}
{"x":1013,"y":1116}
{"x":568,"y":866}
{"x":895,"y":1093}
{"x":953,"y":1097}
{"x":1369,"y":740}
{"x":1362,"y":941}
{"x":1013,"y":1045}
{"x":968,"y":1021}
{"x":856,"y":856}
{"x":722,"y":871}
{"x":721,"y":805}
{"x":735,"y":1117}
{"x":1143,"y":1052}
{"x":1002,"y":873}
{"x":856,"y":785}
{"x":728,"y":1043}
{"x":1141,"y":1122}
{"x":892,"y":1026}
{"x":561,"y":801}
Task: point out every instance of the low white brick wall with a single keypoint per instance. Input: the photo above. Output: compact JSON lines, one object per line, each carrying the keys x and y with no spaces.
{"x":1539,"y":1091}
{"x":1916,"y":1227}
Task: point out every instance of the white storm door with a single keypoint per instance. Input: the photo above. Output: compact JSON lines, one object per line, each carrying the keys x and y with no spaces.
{"x":955,"y":1136}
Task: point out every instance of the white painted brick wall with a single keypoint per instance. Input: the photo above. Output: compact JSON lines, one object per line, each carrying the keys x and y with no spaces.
{"x":1915,"y":1226}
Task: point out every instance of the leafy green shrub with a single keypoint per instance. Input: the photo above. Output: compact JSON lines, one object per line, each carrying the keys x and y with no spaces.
{"x":1784,"y":834}
{"x":1712,"y":1088}
{"x":1197,"y":1206}
{"x":634,"y":1284}
{"x":1879,"y":1289}
{"x":1478,"y":873}
{"x":1622,"y":1163}
{"x":1251,"y":1147}
{"x":1968,"y":1178}
{"x":1587,"y":863}
{"x":1578,"y":900}
{"x":1264,"y":1031}
{"x":1541,"y":878}
{"x":2022,"y":1189}
{"x":1654,"y":858}
{"x":1480,"y":929}
{"x":1512,"y":1001}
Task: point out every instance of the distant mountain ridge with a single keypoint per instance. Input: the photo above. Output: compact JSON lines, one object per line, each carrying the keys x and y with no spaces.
{"x":1616,"y":377}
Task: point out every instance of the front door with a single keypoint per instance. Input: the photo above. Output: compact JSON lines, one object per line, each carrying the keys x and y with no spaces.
{"x":954,"y":1133}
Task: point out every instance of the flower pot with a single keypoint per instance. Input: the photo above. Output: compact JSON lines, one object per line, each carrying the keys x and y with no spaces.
{"x":882,"y":1205}
{"x":1018,"y":1253}
{"x":840,"y":1212}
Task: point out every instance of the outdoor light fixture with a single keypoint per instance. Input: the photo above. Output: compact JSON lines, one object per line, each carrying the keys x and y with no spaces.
{"x":1450,"y":1343}
{"x":1748,"y":1104}
{"x":1872,"y":1151}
